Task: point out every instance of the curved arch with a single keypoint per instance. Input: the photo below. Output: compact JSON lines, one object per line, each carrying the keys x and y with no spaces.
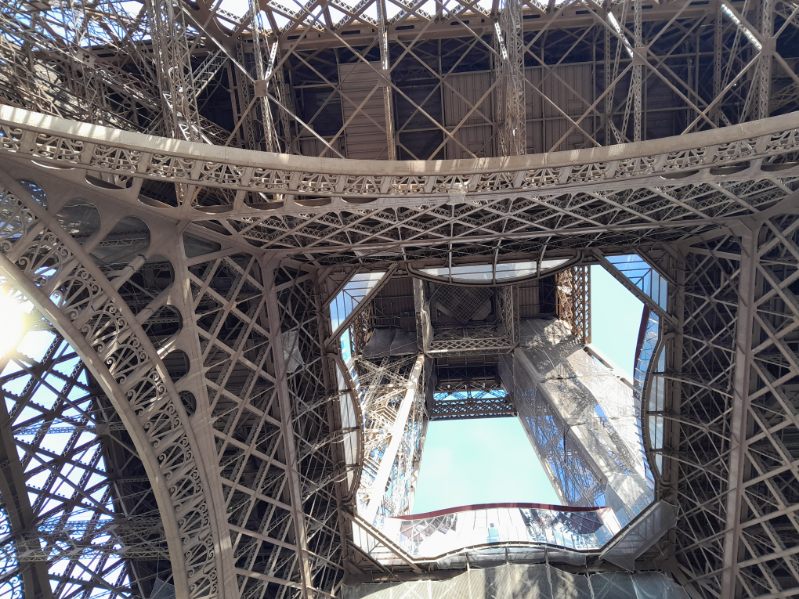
{"x":235,"y":160}
{"x":492,"y":274}
{"x":10,"y":576}
{"x":43,"y":261}
{"x":115,"y":151}
{"x":647,"y":418}
{"x":71,"y":475}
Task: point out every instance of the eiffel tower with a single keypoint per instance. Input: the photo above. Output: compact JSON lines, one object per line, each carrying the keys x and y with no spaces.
{"x":250,"y":249}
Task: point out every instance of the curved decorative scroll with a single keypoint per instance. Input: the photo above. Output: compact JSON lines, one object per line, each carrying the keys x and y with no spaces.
{"x":52,"y":270}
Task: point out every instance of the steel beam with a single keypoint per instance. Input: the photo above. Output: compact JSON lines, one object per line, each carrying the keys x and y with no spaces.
{"x":16,"y":501}
{"x":385,"y":71}
{"x":287,"y":417}
{"x":510,"y":72}
{"x":381,"y":479}
{"x":739,"y":418}
{"x":173,"y":64}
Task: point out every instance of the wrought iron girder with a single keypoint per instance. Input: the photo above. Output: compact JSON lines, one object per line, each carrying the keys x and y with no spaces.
{"x":612,"y":218}
{"x":510,"y":72}
{"x":288,"y":435}
{"x":736,"y":419}
{"x":42,"y":260}
{"x":170,"y":39}
{"x":406,"y":397}
{"x":730,"y":154}
{"x":573,"y":300}
{"x":647,"y":53}
{"x":621,"y":197}
{"x":480,"y":405}
{"x":17,"y":505}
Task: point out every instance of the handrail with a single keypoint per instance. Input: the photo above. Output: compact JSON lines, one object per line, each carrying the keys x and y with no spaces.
{"x":501,"y":505}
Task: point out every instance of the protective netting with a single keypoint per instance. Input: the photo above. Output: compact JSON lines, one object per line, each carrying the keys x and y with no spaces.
{"x":584,"y":421}
{"x":525,"y":581}
{"x":582,"y":417}
{"x":500,"y":526}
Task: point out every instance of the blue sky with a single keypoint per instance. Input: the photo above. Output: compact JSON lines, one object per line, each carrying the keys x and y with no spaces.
{"x":479,"y":461}
{"x":491,"y":460}
{"x":616,"y":317}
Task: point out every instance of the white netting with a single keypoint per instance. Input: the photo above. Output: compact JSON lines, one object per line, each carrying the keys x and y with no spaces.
{"x":582,"y":417}
{"x":525,"y":581}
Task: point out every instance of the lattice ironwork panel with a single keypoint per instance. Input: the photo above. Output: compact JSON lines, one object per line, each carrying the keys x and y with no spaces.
{"x":471,"y":404}
{"x":573,"y":300}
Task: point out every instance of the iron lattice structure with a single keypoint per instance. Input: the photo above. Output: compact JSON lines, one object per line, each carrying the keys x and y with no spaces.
{"x":192,"y":273}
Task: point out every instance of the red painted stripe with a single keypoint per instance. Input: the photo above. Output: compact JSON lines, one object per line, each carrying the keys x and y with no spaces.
{"x":487,"y":506}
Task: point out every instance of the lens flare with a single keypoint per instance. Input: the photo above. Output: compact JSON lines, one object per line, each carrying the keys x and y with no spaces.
{"x":15,"y":319}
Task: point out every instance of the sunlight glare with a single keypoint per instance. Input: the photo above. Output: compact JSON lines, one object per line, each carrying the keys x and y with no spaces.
{"x":15,"y":312}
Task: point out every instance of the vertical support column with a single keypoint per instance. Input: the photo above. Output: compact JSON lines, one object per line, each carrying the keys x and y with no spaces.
{"x":608,"y":101}
{"x":172,"y":58}
{"x":573,"y":301}
{"x":510,"y":71}
{"x":337,"y":383}
{"x":385,"y":70}
{"x":285,"y":98}
{"x":764,"y":68}
{"x":287,"y":431}
{"x":671,"y":467}
{"x":583,"y":309}
{"x":424,"y":329}
{"x":637,"y":77}
{"x":739,"y":417}
{"x":718,"y":52}
{"x":194,"y":382}
{"x":252,"y":75}
{"x":243,"y":86}
{"x":397,"y":429}
{"x":670,"y":476}
{"x":263,"y":76}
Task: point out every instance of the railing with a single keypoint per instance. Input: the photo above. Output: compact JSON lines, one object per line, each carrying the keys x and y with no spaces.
{"x":432,"y":534}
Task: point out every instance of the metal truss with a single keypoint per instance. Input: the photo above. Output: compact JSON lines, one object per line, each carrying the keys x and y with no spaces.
{"x":472,"y":404}
{"x":573,"y":297}
{"x":81,"y":518}
{"x":264,"y":416}
{"x":411,"y":80}
{"x":578,"y":420}
{"x":703,"y":180}
{"x":189,"y":278}
{"x":172,"y":58}
{"x":234,"y":367}
{"x":511,"y":93}
{"x":733,"y":459}
{"x":498,"y":336}
{"x":393,"y":407}
{"x":58,"y":276}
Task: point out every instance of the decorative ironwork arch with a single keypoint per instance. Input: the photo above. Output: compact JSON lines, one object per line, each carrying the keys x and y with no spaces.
{"x":46,"y":265}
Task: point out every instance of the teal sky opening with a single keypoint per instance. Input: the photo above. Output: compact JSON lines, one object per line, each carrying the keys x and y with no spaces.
{"x":483,"y":460}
